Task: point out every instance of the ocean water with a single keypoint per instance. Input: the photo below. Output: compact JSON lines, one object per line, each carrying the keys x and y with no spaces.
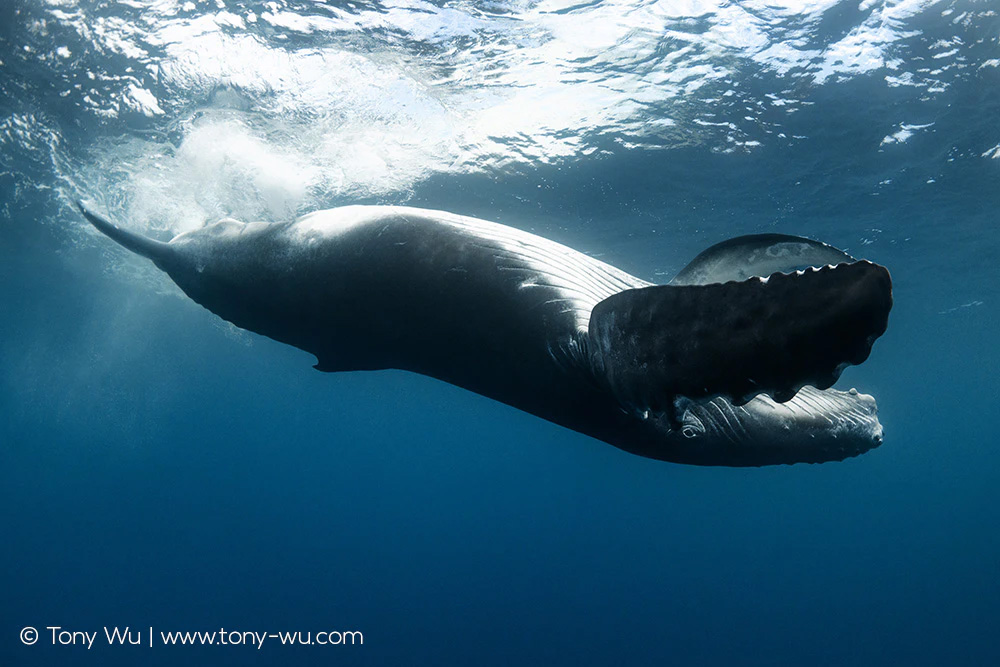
{"x":161,"y":469}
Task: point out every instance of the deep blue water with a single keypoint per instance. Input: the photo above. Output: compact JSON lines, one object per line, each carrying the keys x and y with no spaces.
{"x":161,"y":468}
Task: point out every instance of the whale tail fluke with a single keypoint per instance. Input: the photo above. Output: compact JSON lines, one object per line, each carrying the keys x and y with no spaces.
{"x":738,"y":339}
{"x":150,"y":248}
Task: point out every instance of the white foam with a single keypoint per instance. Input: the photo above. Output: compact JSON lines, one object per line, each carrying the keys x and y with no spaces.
{"x":143,"y":100}
{"x":336,"y":103}
{"x":900,"y":136}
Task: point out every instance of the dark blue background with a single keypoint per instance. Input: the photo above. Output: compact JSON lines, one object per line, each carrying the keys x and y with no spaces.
{"x":159,"y":468}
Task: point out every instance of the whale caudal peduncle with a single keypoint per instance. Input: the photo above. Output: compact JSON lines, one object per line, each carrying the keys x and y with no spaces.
{"x":141,"y":245}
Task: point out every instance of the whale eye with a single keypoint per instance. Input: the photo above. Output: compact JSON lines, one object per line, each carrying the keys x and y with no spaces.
{"x":691,"y":425}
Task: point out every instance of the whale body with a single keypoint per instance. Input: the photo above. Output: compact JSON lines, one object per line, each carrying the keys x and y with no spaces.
{"x":731,"y":364}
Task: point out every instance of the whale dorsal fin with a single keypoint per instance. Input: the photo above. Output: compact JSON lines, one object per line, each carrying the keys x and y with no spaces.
{"x":757,"y":255}
{"x":738,"y":339}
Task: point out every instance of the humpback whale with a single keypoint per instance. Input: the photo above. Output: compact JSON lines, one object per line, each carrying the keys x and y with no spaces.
{"x":729,"y":364}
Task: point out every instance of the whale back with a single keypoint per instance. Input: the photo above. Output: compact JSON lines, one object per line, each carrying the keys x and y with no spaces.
{"x":484,"y":306}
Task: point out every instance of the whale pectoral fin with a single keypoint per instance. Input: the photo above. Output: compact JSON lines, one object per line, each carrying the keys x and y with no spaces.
{"x":738,"y":339}
{"x":757,"y":255}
